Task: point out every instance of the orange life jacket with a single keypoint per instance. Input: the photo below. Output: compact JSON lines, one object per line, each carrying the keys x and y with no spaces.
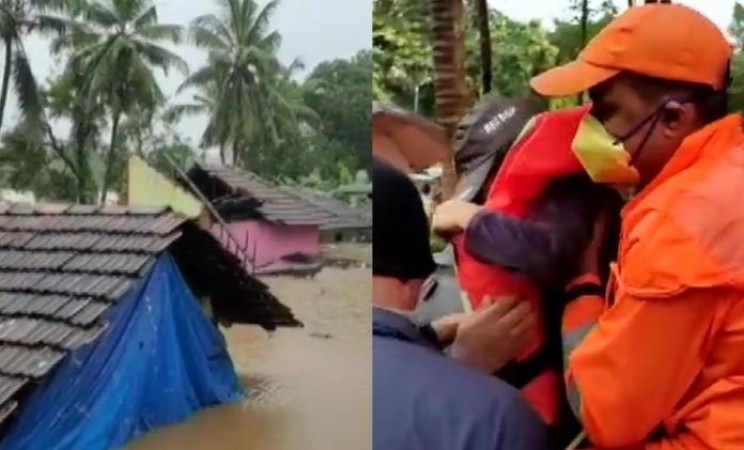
{"x":531,"y":166}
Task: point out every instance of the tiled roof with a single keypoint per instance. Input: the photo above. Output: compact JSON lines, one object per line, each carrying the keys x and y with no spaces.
{"x":62,"y":267}
{"x":343,"y":215}
{"x":274,"y":203}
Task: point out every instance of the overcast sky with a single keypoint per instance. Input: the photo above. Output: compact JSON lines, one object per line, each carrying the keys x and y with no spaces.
{"x":313,"y":30}
{"x":720,"y":11}
{"x":318,"y":30}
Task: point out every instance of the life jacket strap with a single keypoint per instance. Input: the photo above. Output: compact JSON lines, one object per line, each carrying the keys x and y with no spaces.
{"x":520,"y":373}
{"x":580,"y":290}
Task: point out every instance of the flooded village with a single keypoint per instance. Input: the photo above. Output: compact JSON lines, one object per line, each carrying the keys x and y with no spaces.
{"x":185,"y":225}
{"x":308,"y":387}
{"x":176,"y":320}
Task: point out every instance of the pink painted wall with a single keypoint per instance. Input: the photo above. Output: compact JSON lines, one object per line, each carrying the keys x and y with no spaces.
{"x":272,"y":241}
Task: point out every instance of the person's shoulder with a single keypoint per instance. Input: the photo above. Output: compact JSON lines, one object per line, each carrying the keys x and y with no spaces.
{"x":695,"y":221}
{"x":455,"y":407}
{"x":436,"y":371}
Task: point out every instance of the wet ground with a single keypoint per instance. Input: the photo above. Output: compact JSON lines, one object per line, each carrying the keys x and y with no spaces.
{"x":310,"y":389}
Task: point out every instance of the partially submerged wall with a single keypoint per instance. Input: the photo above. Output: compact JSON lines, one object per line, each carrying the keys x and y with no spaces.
{"x":272,"y":241}
{"x":145,"y":186}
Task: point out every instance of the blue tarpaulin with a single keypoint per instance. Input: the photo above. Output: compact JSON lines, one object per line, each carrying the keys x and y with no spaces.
{"x":160,"y":361}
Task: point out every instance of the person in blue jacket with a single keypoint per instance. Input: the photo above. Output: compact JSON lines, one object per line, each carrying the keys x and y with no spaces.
{"x":423,"y":399}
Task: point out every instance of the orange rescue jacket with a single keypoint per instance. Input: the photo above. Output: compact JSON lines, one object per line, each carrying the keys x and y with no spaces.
{"x":663,"y":368}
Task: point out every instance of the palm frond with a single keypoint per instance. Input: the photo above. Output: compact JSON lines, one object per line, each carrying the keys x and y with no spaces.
{"x":297,"y":65}
{"x":210,"y":23}
{"x":161,"y":57}
{"x":147,"y":18}
{"x":27,"y":90}
{"x":193,"y":109}
{"x":57,"y":25}
{"x":271,"y":42}
{"x":200,"y":78}
{"x":261,"y":22}
{"x":73,"y":7}
{"x":129,"y":10}
{"x":77,"y":36}
{"x":162,"y":32}
{"x":101,"y":16}
{"x":144,"y":93}
{"x":206,"y":38}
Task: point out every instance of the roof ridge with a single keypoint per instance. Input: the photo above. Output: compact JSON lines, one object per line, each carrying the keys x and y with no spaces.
{"x":81,"y":209}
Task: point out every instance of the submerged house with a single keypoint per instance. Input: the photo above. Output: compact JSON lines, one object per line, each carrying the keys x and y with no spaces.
{"x":347,"y":224}
{"x":278,"y":227}
{"x":101,"y":335}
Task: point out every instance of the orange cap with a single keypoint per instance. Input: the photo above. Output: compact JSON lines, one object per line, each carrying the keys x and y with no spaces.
{"x":667,"y":41}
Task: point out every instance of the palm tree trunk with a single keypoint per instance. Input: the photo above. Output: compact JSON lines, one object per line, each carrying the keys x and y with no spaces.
{"x":486,"y":52}
{"x":449,"y":76}
{"x":140,"y":142}
{"x":110,"y":157}
{"x":222,"y":153}
{"x":8,"y":41}
{"x":234,"y":156}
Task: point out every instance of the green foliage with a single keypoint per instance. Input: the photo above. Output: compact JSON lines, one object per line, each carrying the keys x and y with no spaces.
{"x":737,"y":65}
{"x":242,"y":80}
{"x":567,"y":34}
{"x":339,"y":92}
{"x":402,"y":53}
{"x":258,"y":112}
{"x":402,"y":49}
{"x":522,"y":50}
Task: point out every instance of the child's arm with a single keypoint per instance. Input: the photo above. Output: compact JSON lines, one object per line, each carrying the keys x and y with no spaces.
{"x":545,"y":246}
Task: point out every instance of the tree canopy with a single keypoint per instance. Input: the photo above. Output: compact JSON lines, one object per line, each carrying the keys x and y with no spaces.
{"x":259,"y":113}
{"x":403,"y":39}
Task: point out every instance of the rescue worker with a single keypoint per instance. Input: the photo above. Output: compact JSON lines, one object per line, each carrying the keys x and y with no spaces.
{"x":659,"y":364}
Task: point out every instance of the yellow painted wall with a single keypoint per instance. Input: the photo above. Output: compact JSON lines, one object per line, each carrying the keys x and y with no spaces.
{"x":145,"y":186}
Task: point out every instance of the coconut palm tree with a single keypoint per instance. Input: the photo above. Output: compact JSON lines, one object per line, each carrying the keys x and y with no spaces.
{"x":449,"y":79}
{"x":486,"y":50}
{"x":205,"y":102}
{"x":115,"y":48}
{"x":17,"y":18}
{"x":243,"y":74}
{"x":285,"y":94}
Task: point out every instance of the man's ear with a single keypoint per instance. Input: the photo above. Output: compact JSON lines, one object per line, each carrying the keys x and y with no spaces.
{"x":676,"y":116}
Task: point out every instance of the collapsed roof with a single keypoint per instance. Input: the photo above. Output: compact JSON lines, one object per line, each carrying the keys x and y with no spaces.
{"x":238,"y":194}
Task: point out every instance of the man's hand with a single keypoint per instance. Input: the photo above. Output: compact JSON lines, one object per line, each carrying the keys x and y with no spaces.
{"x":453,"y":216}
{"x":446,"y":327}
{"x":489,"y":338}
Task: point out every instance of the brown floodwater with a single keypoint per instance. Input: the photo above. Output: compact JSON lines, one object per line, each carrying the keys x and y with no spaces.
{"x":309,"y":389}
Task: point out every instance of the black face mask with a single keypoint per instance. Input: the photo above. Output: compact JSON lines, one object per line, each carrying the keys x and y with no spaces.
{"x":652,"y":119}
